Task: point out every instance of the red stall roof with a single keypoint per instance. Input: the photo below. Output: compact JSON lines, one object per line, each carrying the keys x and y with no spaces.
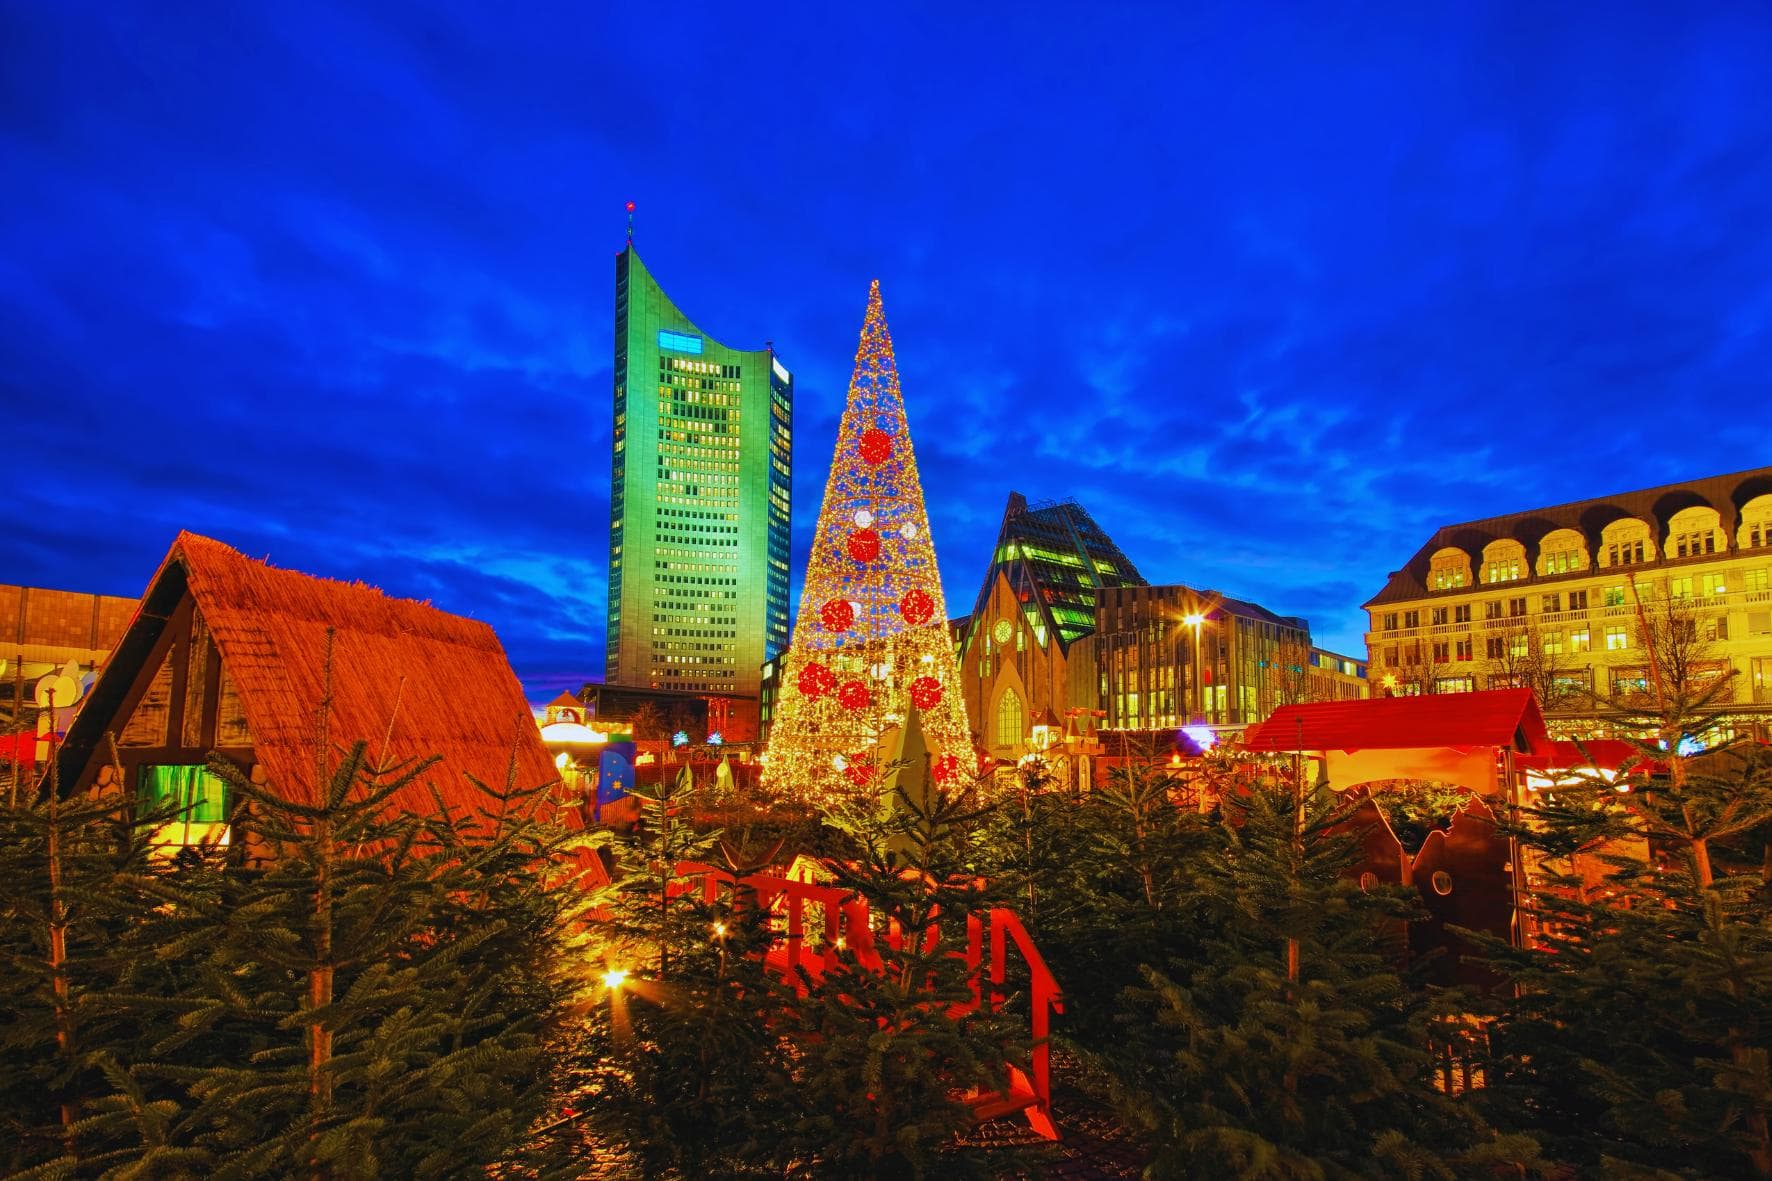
{"x":1496,"y":717}
{"x":1608,"y":754}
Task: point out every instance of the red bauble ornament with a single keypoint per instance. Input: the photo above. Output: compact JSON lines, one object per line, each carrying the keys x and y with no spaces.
{"x":875,"y":445}
{"x":860,"y":773}
{"x":945,"y":768}
{"x":916,"y":607}
{"x":816,"y":680}
{"x":864,"y":545}
{"x":925,"y":692}
{"x":853,"y":695}
{"x":837,"y":615}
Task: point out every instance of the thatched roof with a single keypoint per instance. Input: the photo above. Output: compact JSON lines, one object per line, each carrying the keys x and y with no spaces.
{"x":410,"y":680}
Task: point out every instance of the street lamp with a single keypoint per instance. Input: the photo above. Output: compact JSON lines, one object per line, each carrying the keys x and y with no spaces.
{"x":1194,"y":619}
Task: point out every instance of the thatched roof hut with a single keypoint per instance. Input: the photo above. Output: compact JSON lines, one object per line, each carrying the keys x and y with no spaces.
{"x":231,"y":654}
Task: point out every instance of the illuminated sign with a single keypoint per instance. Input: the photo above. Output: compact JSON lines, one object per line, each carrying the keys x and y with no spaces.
{"x":679,"y":342}
{"x":781,"y":374}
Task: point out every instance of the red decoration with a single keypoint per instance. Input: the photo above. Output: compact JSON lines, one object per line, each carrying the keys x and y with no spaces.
{"x":837,"y":615}
{"x":860,"y":773}
{"x":864,"y":545}
{"x":875,"y":445}
{"x":853,"y":695}
{"x":916,"y":607}
{"x":816,"y":680}
{"x":945,"y":768}
{"x":925,"y":692}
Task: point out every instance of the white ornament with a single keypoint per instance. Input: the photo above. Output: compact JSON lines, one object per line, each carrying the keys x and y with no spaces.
{"x":909,"y":532}
{"x":863,"y":519}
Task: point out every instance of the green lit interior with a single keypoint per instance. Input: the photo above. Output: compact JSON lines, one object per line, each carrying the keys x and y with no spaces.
{"x":188,"y":793}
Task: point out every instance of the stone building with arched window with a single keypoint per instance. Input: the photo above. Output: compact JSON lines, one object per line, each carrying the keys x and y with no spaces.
{"x":1558,"y":599}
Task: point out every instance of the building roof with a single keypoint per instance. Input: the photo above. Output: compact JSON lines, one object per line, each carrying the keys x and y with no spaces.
{"x":407,"y":678}
{"x":1055,"y":558}
{"x":1501,"y":718}
{"x":1655,"y":506}
{"x":1215,"y":604}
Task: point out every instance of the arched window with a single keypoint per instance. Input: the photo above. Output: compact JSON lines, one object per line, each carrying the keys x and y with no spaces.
{"x":1011,"y":719}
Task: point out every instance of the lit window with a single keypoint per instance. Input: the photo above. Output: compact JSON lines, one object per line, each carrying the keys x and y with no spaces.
{"x":1579,"y":641}
{"x":189,"y":801}
{"x":1613,"y":596}
{"x":1617,"y":639}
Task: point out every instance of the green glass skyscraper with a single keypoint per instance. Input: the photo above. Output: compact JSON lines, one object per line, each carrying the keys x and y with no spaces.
{"x":699,"y":498}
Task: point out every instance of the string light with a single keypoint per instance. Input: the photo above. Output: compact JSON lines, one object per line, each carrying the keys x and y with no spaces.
{"x":872,"y":554}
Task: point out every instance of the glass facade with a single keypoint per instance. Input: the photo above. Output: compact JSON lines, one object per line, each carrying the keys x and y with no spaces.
{"x":1056,"y":557}
{"x":700,"y":490}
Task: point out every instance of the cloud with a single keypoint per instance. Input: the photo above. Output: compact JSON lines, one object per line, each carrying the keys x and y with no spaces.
{"x":1273,"y":294}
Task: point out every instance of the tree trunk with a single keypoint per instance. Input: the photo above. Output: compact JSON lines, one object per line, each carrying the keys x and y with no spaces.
{"x":321,"y":974}
{"x":58,"y":950}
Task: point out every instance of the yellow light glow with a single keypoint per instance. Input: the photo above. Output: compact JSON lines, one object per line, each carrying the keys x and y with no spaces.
{"x":613,"y":979}
{"x":811,"y":737}
{"x":719,"y":930}
{"x":561,"y":759}
{"x":1193,"y":619}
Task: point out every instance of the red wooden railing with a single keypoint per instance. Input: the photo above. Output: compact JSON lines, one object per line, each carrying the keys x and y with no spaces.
{"x":846,"y":925}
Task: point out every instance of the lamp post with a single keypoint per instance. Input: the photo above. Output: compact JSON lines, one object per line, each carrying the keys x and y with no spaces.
{"x":1194,"y":619}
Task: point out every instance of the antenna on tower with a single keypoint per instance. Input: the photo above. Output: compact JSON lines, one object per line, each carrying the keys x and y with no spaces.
{"x":630,"y":223}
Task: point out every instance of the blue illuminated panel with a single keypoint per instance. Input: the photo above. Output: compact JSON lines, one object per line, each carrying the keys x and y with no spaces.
{"x":679,"y":342}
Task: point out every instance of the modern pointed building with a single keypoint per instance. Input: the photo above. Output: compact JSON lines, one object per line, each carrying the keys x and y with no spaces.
{"x":1021,"y":667}
{"x":700,"y":486}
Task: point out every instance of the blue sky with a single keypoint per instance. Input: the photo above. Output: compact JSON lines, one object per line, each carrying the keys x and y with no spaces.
{"x":1272,"y":290}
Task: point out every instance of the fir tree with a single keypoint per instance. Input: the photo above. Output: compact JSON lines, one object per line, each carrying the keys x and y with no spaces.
{"x":1635,"y":1039}
{"x":890,"y":1041}
{"x":1291,"y":1046}
{"x":683,"y":1068}
{"x":1107,"y":884}
{"x":75,"y":873}
{"x":372,"y":1001}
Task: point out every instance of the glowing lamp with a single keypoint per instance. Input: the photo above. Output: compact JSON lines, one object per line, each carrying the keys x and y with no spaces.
{"x":614,"y":978}
{"x":1203,"y":737}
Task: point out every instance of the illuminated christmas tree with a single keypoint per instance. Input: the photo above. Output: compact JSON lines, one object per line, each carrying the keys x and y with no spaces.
{"x":872,"y":638}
